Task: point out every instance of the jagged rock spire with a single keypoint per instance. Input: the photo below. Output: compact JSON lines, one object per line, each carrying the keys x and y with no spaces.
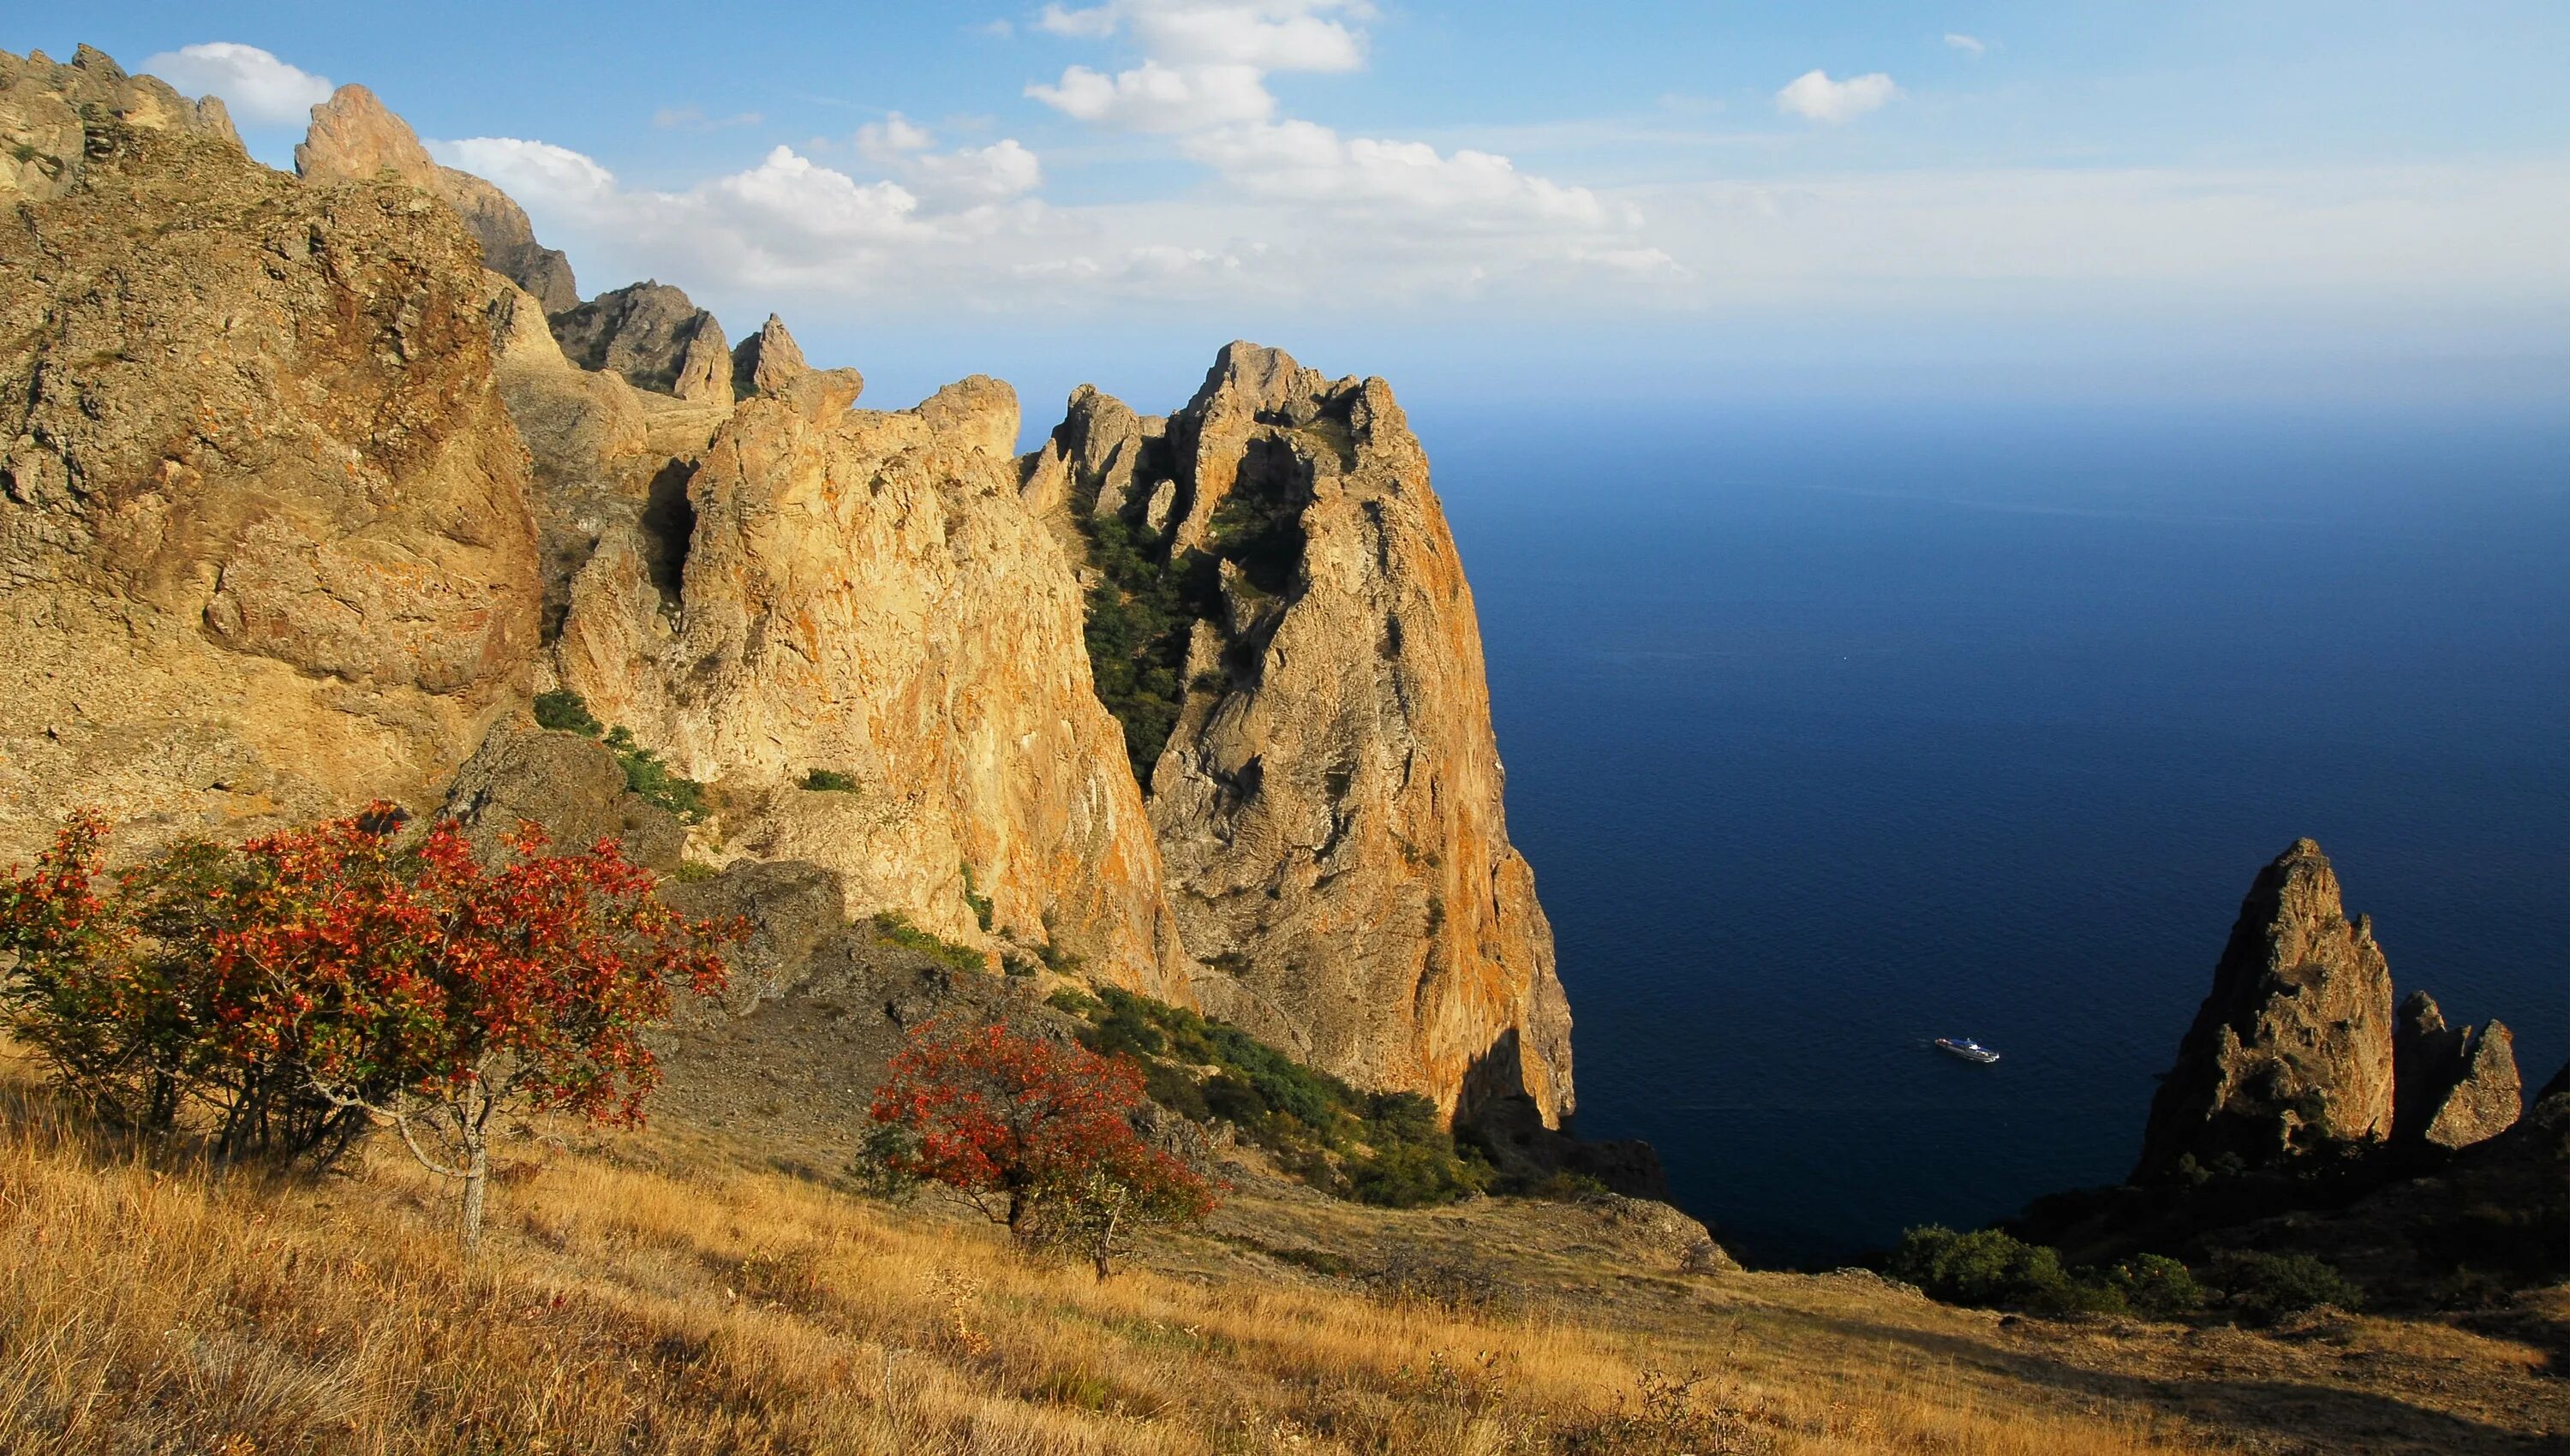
{"x":2290,"y":1053}
{"x":2455,"y":1086}
{"x":767,"y":361}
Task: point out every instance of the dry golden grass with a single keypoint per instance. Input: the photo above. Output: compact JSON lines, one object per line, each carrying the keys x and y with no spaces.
{"x":152,"y":1307}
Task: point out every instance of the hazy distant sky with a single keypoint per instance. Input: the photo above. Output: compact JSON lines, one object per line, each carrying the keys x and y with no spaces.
{"x":1645,"y":202}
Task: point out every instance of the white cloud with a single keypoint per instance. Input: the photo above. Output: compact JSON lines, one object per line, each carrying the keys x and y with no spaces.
{"x":1972,"y":46}
{"x":792,"y":195}
{"x":972,"y":175}
{"x":1812,"y":94}
{"x":1157,"y":98}
{"x":894,"y":135}
{"x":255,"y":87}
{"x":1302,"y":161}
{"x":530,"y":169}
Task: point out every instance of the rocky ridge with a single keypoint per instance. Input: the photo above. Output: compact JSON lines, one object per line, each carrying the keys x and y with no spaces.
{"x":354,"y":137}
{"x":1329,"y":794}
{"x":265,"y":538}
{"x":289,"y":536}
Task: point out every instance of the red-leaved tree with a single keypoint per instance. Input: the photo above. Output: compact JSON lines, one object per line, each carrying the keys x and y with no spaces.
{"x":304,"y":983}
{"x":1037,"y":1136}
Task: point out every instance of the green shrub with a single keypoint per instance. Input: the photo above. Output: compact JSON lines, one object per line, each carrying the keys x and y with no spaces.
{"x":1059,"y":961}
{"x":1566,"y":1187}
{"x":1410,"y":1175}
{"x":976,"y":903}
{"x":896,"y":928}
{"x":2264,"y":1287}
{"x":1014,"y":965}
{"x":1176,"y":1091}
{"x":830,"y":781}
{"x":1990,"y":1269}
{"x":656,"y":782}
{"x":564,"y":711}
{"x":1072,"y":999}
{"x":695,"y":872}
{"x":2157,"y":1285}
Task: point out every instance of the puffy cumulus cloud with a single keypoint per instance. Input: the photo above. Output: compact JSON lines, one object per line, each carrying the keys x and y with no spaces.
{"x":894,"y":135}
{"x":1156,"y":98}
{"x":1302,"y":161}
{"x":793,"y":196}
{"x":523,"y":169}
{"x":959,"y":178}
{"x":1814,"y":94}
{"x":255,"y":87}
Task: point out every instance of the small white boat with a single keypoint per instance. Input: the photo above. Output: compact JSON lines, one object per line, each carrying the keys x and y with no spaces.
{"x":1969,"y":1049}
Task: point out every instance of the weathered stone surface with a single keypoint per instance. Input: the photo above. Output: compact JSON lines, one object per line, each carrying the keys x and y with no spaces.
{"x":570,"y":787}
{"x":355,"y":137}
{"x":266,"y":544}
{"x":1329,"y":801}
{"x":767,"y":361}
{"x":792,"y":910}
{"x":43,"y":142}
{"x":863,"y":593}
{"x":652,"y":335}
{"x":2453,"y":1086}
{"x":2290,"y":1053}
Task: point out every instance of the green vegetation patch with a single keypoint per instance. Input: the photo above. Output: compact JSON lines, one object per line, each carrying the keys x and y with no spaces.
{"x":656,"y":782}
{"x":1383,"y":1148}
{"x":1992,"y":1270}
{"x":896,"y":928}
{"x":565,"y":711}
{"x":830,"y":781}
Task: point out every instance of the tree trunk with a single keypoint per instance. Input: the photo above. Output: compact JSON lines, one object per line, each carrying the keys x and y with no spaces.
{"x":477,"y":1174}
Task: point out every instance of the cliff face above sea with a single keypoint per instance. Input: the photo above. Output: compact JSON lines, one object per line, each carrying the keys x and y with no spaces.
{"x":318,"y":480}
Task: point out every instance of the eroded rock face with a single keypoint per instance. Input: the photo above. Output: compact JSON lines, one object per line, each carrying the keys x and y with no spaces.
{"x":863,"y":594}
{"x":569,"y":787}
{"x":2290,"y":1053}
{"x":1329,"y":798}
{"x":43,"y":141}
{"x":355,"y":137}
{"x":265,"y":543}
{"x":652,"y":335}
{"x":767,"y":361}
{"x":2454,"y":1086}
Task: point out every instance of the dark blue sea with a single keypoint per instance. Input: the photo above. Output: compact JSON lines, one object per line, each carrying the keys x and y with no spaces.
{"x":1829,"y":730}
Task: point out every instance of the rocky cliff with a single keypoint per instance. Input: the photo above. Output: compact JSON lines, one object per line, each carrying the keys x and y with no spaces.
{"x":354,"y":137}
{"x":2295,"y":1052}
{"x":652,"y":335}
{"x":863,"y":595}
{"x":1282,"y":620}
{"x":2453,"y":1086}
{"x":266,"y":541}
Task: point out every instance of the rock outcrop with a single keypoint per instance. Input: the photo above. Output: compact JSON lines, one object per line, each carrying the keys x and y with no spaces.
{"x":863,"y":594}
{"x":354,"y":137}
{"x":652,"y":335}
{"x":265,"y":543}
{"x":1328,"y":798}
{"x":2453,"y":1086}
{"x":2290,"y":1053}
{"x":767,"y":361}
{"x":44,"y":137}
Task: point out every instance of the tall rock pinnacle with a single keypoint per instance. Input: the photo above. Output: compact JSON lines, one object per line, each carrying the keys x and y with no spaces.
{"x":2292,"y":1050}
{"x":1316,"y":737}
{"x":2455,"y":1086}
{"x":355,"y":137}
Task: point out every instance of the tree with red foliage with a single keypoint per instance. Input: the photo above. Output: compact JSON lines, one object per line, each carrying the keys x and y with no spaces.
{"x":310,"y":982}
{"x":1037,"y":1136}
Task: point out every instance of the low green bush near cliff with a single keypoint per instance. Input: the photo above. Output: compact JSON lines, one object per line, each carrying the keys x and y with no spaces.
{"x":564,"y":711}
{"x":830,"y":781}
{"x":656,"y":782}
{"x":1992,"y":1270}
{"x":895,"y":927}
{"x":1384,"y":1148}
{"x":2264,"y":1287}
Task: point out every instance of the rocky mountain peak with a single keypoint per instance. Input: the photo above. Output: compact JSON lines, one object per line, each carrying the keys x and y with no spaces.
{"x":2290,"y":1052}
{"x":767,"y":361}
{"x":354,"y":137}
{"x":47,"y":111}
{"x":655,"y":336}
{"x":2455,"y":1086}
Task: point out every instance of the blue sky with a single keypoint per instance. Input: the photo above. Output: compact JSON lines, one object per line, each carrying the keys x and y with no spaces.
{"x":1513,"y":201}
